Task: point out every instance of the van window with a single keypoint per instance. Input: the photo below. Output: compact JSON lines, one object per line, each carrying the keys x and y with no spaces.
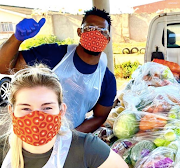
{"x":173,"y":36}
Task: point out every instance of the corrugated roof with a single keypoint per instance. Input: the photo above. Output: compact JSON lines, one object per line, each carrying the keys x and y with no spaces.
{"x":22,"y":10}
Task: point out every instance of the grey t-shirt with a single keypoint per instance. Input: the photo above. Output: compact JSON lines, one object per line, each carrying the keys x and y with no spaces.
{"x":86,"y":151}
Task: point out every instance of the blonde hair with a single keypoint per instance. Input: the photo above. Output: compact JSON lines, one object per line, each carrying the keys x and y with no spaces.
{"x":5,"y":127}
{"x":37,"y":75}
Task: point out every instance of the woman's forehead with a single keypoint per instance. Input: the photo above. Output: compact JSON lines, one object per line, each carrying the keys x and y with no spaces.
{"x":35,"y":92}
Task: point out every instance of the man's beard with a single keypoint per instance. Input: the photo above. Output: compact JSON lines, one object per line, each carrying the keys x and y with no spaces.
{"x":91,"y":52}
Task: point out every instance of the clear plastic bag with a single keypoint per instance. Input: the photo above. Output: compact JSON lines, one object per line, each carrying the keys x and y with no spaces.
{"x":157,"y":99}
{"x":112,"y":116}
{"x":163,"y":137}
{"x":121,"y":146}
{"x":161,"y":157}
{"x":136,"y":100}
{"x":154,"y":74}
{"x":129,"y":123}
{"x":168,"y":138}
{"x":173,"y":125}
{"x":160,"y":104}
{"x":105,"y":134}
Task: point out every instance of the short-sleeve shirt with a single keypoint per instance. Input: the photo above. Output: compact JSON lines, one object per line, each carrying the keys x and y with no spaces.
{"x":52,"y":54}
{"x":86,"y":151}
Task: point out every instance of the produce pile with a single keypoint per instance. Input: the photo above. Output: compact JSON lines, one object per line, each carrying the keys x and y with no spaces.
{"x":144,"y":126}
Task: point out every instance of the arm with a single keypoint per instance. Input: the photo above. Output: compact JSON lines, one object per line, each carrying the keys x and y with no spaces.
{"x":9,"y":55}
{"x":100,"y":114}
{"x":114,"y":161}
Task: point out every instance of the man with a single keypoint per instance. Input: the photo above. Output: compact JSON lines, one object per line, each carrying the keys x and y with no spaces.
{"x":87,"y":82}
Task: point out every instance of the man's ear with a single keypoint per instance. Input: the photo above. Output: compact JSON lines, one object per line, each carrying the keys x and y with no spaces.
{"x":79,"y":32}
{"x":109,"y":39}
{"x":63,"y":109}
{"x":10,"y":110}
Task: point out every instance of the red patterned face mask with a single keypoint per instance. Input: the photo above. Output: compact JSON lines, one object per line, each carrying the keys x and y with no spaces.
{"x":93,"y":41}
{"x":37,"y":128}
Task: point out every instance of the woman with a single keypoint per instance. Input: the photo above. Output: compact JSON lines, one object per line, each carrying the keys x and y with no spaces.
{"x":40,"y":137}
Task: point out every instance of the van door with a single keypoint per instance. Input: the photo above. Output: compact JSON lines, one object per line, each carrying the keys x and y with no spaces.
{"x":163,"y":40}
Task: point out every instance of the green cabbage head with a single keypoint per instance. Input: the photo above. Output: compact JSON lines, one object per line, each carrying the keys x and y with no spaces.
{"x":125,"y":125}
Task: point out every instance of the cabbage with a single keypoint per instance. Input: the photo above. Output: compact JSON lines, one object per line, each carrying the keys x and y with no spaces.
{"x":125,"y":125}
{"x":140,"y":150}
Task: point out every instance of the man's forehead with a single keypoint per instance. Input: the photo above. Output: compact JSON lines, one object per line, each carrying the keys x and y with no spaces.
{"x":95,"y":20}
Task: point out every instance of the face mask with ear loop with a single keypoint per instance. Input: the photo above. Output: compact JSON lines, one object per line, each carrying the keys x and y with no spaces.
{"x":94,"y":39}
{"x":36,"y":128}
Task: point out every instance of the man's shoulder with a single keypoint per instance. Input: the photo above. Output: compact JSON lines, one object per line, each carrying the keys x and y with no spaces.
{"x":49,"y":54}
{"x":109,"y":75}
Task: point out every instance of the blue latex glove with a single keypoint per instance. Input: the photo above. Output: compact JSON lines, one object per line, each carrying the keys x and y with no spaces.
{"x":28,"y":28}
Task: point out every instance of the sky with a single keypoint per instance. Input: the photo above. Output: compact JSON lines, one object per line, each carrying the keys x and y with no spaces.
{"x":72,"y":6}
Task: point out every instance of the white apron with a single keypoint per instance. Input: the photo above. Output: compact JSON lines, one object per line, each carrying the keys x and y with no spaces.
{"x":58,"y":155}
{"x":80,"y":91}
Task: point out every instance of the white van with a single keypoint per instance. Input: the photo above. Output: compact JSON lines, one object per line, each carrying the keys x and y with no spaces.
{"x":163,"y":40}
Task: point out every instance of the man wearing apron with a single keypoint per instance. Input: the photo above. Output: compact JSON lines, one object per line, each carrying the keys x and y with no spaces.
{"x":82,"y":70}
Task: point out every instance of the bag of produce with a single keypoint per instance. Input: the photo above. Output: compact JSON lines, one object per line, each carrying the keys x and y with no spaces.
{"x":153,"y":99}
{"x":112,"y":116}
{"x":128,"y":123}
{"x":169,"y":134}
{"x":121,"y":146}
{"x":174,"y":67}
{"x":105,"y":134}
{"x":153,"y":74}
{"x":166,"y":137}
{"x":160,"y":104}
{"x":161,"y":157}
{"x":159,"y":99}
{"x":137,"y":100}
{"x":140,"y":150}
{"x":173,"y":125}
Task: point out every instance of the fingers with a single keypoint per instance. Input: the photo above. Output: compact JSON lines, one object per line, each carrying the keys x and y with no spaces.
{"x":28,"y":28}
{"x":34,"y":27}
{"x":25,"y":31}
{"x":41,"y":22}
{"x":22,"y":31}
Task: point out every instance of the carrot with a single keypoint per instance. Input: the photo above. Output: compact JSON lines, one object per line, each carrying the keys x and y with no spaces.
{"x":174,"y":67}
{"x":156,"y":110}
{"x":149,"y":121}
{"x":149,"y":109}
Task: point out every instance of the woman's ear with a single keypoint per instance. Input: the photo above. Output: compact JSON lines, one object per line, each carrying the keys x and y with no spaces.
{"x":10,"y":110}
{"x":79,"y":32}
{"x":63,"y":109}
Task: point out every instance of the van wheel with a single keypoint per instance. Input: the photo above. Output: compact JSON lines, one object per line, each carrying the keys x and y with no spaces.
{"x":126,"y":51}
{"x":134,"y":50}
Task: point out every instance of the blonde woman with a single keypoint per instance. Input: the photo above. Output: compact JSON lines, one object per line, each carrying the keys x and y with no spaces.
{"x":40,"y":137}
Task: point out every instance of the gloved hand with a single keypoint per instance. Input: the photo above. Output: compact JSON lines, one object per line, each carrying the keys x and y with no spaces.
{"x":28,"y":28}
